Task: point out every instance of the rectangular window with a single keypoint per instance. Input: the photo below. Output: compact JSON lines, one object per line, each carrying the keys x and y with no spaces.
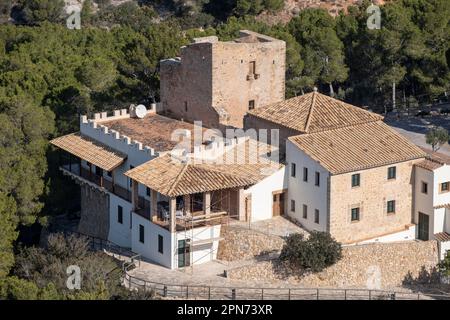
{"x":355,"y":180}
{"x":160,"y":244}
{"x":141,"y":233}
{"x":119,"y":214}
{"x":317,"y":183}
{"x":147,"y":191}
{"x":355,"y":214}
{"x":252,"y":67}
{"x":251,"y":105}
{"x":392,"y":173}
{"x":444,"y":187}
{"x":185,"y":106}
{"x":293,"y":170}
{"x":293,"y":205}
{"x":109,"y":173}
{"x":305,"y":211}
{"x":305,"y":174}
{"x":424,"y":187}
{"x":316,"y":216}
{"x":391,"y":206}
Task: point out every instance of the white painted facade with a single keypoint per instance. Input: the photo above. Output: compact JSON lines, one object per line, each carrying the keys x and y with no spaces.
{"x":120,"y":233}
{"x":202,"y":251}
{"x":428,"y":203}
{"x":306,"y":192}
{"x":407,"y":235}
{"x":262,"y":192}
{"x":149,"y":248}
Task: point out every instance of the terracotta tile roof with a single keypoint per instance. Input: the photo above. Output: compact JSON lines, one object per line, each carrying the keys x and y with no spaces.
{"x":171,"y":178}
{"x":434,"y":160}
{"x":249,"y":160}
{"x":314,"y":112}
{"x":429,"y":164}
{"x":174,"y":179}
{"x":442,"y":236}
{"x":154,"y":130}
{"x":357,"y":147}
{"x":440,"y":206}
{"x":90,"y":150}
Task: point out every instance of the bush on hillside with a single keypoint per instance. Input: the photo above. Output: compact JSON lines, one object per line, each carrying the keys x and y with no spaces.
{"x":316,"y":253}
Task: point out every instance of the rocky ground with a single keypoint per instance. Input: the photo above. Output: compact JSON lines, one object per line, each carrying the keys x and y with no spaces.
{"x":293,"y":7}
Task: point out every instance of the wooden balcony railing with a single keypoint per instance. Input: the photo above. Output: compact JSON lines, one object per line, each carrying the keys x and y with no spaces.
{"x":101,"y":181}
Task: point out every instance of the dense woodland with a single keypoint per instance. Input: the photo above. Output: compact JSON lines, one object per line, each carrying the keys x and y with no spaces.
{"x":49,"y":75}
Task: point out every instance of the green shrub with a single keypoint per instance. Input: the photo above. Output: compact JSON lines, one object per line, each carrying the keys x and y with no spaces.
{"x":13,"y":288}
{"x":444,"y":265}
{"x":316,"y":253}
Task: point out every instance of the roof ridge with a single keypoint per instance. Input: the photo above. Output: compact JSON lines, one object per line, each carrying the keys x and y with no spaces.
{"x":180,"y":175}
{"x":311,"y":109}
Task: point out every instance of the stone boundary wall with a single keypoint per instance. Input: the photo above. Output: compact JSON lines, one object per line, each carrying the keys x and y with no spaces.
{"x":372,"y":266}
{"x":241,"y":244}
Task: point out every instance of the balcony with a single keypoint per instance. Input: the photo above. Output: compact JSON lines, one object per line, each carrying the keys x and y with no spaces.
{"x":184,"y":221}
{"x":77,"y":171}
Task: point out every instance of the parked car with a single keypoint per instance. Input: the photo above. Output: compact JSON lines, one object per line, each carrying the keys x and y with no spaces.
{"x":445,"y":111}
{"x":423,"y":113}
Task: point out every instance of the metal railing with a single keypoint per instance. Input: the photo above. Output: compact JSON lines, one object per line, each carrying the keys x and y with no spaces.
{"x":203,"y":292}
{"x":198,"y":292}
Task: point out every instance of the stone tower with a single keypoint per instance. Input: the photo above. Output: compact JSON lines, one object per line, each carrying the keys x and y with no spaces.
{"x":218,"y":82}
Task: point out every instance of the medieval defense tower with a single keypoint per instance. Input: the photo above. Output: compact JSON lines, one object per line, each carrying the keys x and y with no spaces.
{"x":218,"y":82}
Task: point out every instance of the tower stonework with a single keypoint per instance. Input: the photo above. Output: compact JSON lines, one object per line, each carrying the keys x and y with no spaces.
{"x":218,"y":82}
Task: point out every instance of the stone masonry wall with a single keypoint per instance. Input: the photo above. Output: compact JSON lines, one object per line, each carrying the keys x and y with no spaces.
{"x":252,"y":122}
{"x":232,"y":89}
{"x":94,"y":213}
{"x":371,"y":197}
{"x":241,"y":244}
{"x":372,"y":266}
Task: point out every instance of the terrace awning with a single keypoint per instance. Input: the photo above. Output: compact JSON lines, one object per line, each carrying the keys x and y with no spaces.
{"x":90,"y":150}
{"x":176,"y":179}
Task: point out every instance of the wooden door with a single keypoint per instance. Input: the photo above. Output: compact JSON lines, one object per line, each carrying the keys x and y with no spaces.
{"x":278,"y":204}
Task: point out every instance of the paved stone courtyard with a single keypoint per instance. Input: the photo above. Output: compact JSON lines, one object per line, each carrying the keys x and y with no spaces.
{"x":277,"y":226}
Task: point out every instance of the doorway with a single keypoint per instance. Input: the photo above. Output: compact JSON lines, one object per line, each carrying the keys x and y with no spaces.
{"x":184,"y":253}
{"x":424,"y":224}
{"x":278,"y":204}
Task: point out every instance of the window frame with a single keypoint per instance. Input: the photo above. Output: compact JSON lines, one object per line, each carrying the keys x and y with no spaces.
{"x":293,"y":170}
{"x":292,"y":205}
{"x":390,"y":207}
{"x":317,"y":179}
{"x":119,"y":214}
{"x":251,"y":104}
{"x":358,"y":176}
{"x":358,"y":212}
{"x":160,"y":244}
{"x":316,"y":216}
{"x":424,"y":187}
{"x":441,"y":189}
{"x":305,"y":211}
{"x":141,"y":233}
{"x":389,"y":177}
{"x":305,"y":174}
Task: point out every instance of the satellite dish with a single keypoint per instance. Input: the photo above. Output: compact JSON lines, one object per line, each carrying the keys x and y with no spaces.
{"x":140,"y":111}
